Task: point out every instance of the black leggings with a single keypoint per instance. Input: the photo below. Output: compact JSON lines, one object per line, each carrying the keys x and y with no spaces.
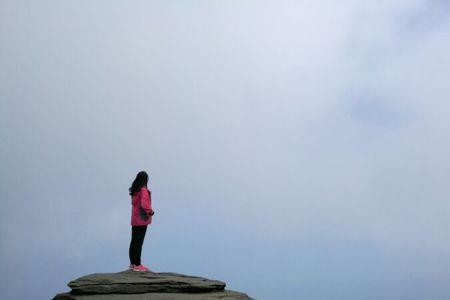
{"x":137,"y":239}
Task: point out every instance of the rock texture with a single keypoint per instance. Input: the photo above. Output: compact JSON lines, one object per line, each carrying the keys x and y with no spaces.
{"x":129,"y":285}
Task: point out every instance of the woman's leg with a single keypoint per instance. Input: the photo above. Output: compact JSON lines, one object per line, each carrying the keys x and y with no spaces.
{"x":140,"y":241}
{"x":133,"y":244}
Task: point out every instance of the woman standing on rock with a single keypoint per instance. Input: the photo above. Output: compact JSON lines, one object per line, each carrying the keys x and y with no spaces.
{"x":141,"y":216}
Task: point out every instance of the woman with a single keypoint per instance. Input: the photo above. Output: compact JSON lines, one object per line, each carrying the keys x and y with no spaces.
{"x":141,"y":216}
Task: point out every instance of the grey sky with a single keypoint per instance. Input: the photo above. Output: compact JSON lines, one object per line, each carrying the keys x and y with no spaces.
{"x":296,"y":149}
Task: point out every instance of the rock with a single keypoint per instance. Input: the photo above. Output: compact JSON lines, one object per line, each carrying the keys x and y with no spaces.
{"x":129,"y":282}
{"x":223,"y":295}
{"x":130,"y":285}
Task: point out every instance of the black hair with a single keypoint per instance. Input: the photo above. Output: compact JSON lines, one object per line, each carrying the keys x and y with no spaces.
{"x":140,"y":181}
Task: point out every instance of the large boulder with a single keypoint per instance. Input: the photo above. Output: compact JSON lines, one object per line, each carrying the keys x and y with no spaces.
{"x":130,"y":285}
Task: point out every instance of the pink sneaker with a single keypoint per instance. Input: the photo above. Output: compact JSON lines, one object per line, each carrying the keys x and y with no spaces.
{"x":140,"y":268}
{"x":131,"y":267}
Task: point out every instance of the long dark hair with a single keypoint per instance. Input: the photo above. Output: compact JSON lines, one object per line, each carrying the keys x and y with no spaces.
{"x":140,"y":181}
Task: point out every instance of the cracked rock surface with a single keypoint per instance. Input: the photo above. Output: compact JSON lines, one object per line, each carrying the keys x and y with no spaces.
{"x":130,"y":285}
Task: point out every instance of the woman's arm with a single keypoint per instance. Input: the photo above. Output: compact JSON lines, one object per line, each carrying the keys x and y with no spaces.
{"x":146,"y":201}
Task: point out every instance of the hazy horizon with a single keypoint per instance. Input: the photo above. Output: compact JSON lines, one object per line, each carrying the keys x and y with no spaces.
{"x":296,"y":149}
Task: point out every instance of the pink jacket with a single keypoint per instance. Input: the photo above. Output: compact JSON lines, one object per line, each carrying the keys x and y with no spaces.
{"x":143,"y":199}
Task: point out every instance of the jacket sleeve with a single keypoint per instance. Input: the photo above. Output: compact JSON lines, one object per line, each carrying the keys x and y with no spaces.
{"x":146,"y":201}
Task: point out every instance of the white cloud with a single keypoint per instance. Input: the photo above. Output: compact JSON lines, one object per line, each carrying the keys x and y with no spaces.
{"x":312,"y":125}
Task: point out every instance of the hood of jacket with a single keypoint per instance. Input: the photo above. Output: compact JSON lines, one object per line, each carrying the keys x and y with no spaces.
{"x":134,"y":198}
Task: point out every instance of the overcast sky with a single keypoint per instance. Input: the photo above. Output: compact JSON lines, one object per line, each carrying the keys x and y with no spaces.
{"x":296,"y":149}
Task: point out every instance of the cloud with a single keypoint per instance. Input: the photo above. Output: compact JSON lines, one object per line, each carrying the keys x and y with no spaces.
{"x":295,"y":136}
